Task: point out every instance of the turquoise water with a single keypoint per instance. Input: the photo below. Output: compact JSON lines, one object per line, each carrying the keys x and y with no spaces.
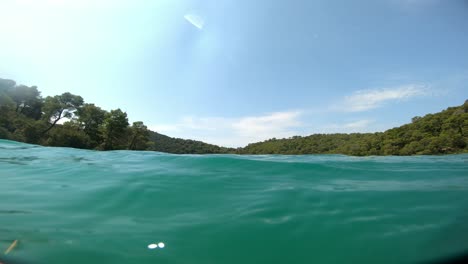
{"x":79,"y":206}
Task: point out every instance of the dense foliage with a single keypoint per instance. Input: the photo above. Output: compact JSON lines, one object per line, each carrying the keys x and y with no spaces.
{"x":442,"y":133}
{"x":65,"y":120}
{"x":177,"y":145}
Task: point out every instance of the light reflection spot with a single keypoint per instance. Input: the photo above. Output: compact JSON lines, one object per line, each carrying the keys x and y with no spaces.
{"x":152,"y":246}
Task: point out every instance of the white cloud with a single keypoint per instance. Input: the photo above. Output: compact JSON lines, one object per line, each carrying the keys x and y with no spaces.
{"x":358,"y":124}
{"x":364,"y":100}
{"x":361,"y":126}
{"x":165,"y":128}
{"x":195,"y":20}
{"x":234,"y":132}
{"x":270,"y":124}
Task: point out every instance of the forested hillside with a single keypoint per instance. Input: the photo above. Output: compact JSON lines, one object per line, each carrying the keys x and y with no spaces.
{"x":441,"y":133}
{"x":164,"y":143}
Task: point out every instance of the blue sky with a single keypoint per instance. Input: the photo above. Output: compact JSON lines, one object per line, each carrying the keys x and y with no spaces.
{"x":234,"y":72}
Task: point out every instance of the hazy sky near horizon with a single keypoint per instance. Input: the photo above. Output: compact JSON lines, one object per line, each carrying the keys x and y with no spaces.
{"x":231,"y":72}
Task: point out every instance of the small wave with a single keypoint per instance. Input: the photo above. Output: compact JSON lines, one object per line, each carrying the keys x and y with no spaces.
{"x":277,"y":220}
{"x":14,"y":212}
{"x":342,"y":185}
{"x":369,"y":218}
{"x":403,"y":229}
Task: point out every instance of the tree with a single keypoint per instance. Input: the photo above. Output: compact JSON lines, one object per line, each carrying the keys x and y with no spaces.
{"x":5,"y":100}
{"x":60,"y":106}
{"x":30,"y":131}
{"x":91,"y":118}
{"x":114,"y":129}
{"x":68,"y":135}
{"x":138,"y":136}
{"x":24,"y":97}
{"x":415,"y":119}
{"x":34,"y":109}
{"x":5,"y":86}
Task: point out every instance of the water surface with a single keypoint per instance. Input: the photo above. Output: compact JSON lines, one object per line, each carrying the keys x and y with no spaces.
{"x":79,"y":206}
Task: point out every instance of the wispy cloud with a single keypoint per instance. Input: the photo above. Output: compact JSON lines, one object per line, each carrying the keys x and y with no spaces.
{"x":234,"y":132}
{"x":361,"y":124}
{"x":276,"y":123}
{"x":364,"y":100}
{"x":364,"y":125}
{"x":195,"y":20}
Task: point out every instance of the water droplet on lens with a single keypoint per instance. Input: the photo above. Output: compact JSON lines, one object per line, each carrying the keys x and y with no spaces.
{"x":152,"y":246}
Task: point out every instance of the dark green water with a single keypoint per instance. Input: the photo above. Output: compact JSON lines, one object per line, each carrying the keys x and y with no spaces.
{"x":78,"y":206}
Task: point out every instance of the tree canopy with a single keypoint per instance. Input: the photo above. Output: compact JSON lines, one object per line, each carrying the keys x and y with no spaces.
{"x":64,"y":120}
{"x":163,"y":143}
{"x":60,"y":106}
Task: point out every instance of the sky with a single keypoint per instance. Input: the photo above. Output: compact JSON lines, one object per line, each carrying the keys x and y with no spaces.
{"x":233,"y":72}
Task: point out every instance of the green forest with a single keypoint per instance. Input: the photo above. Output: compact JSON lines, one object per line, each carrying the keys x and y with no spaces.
{"x":441,"y":133}
{"x":163,"y":143}
{"x":66,"y":120}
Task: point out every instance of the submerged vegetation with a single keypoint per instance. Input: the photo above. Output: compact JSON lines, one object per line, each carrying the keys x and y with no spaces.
{"x":66,"y":120}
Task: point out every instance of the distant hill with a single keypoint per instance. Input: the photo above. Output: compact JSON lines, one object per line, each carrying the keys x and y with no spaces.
{"x":445,"y":132}
{"x":163,"y":143}
{"x":441,"y":133}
